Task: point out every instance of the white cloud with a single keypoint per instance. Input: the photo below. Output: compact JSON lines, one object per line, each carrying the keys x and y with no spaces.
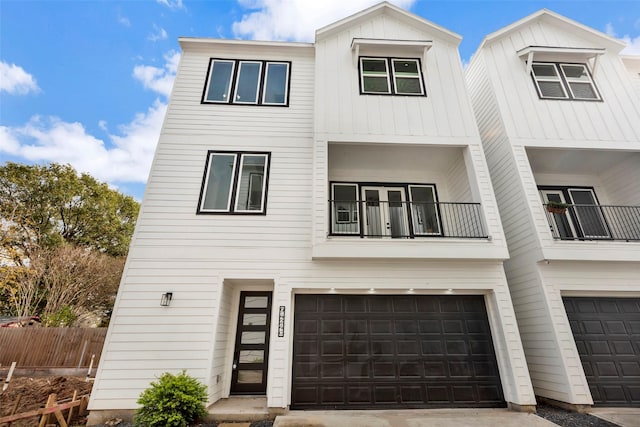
{"x":123,"y":157}
{"x":296,"y":19}
{"x":127,"y":159}
{"x":123,"y":20}
{"x":159,"y":80}
{"x":633,"y":43}
{"x":15,"y":80}
{"x":172,"y":4}
{"x":158,"y":34}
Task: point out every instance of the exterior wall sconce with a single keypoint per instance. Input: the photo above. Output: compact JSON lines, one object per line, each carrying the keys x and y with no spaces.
{"x":166,"y":299}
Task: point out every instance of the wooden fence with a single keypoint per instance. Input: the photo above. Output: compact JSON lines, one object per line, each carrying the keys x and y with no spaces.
{"x":51,"y":347}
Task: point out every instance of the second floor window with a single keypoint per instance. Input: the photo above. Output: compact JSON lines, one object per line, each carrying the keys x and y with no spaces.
{"x":232,"y":81}
{"x":391,"y":76}
{"x":235,"y":182}
{"x":564,"y":81}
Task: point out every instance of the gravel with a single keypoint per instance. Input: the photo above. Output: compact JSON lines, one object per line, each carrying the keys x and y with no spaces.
{"x":566,"y":418}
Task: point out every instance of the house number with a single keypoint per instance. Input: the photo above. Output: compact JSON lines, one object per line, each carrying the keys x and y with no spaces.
{"x":281,"y":322}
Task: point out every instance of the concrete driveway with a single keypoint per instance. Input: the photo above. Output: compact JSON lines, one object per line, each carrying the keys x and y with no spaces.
{"x":412,"y":418}
{"x":624,"y":417}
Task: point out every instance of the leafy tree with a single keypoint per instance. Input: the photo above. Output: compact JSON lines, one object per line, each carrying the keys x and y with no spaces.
{"x":63,"y":241}
{"x":47,"y":205}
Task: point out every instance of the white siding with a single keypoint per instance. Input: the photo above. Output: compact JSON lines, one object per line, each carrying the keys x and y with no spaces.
{"x":561,"y":123}
{"x":343,"y":114}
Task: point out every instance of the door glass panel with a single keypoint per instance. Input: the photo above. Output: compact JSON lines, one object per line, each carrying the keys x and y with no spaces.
{"x":251,"y":356}
{"x":254,"y":319}
{"x":374,"y":215}
{"x":561,"y":222}
{"x":425,"y":217}
{"x":256,"y":302}
{"x":589,"y":214}
{"x":252,"y":337}
{"x":397,"y":218}
{"x":249,"y":377}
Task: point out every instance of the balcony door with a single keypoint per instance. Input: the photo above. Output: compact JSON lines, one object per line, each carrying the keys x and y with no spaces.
{"x":561,"y":223}
{"x":588,"y":213}
{"x":385,"y":212}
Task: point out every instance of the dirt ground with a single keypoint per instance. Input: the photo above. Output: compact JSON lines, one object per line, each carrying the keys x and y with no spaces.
{"x":33,"y":394}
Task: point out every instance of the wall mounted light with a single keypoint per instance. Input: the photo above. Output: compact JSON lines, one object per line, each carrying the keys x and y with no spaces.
{"x":165,"y":300}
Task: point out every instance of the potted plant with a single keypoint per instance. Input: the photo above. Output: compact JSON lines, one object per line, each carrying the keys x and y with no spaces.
{"x":556,"y":207}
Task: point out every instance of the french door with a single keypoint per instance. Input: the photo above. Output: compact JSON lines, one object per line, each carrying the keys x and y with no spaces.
{"x":252,"y":344}
{"x":385,"y":212}
{"x":583,"y":220}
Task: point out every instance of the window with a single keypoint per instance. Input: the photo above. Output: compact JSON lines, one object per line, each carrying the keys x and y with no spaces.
{"x":235,"y":182}
{"x":247,"y":82}
{"x":564,"y":81}
{"x":345,"y":209}
{"x":391,"y":76}
{"x":584,"y":217}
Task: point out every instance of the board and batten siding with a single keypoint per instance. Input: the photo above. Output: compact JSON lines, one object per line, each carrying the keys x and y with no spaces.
{"x":548,"y":364}
{"x":342,"y":114}
{"x":580,"y":124}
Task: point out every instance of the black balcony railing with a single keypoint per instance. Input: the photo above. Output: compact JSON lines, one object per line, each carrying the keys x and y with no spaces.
{"x":403,"y":219}
{"x":594,"y":222}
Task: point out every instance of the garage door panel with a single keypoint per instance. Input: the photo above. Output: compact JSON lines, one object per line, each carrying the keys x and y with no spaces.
{"x":384,"y":356}
{"x":607,"y":336}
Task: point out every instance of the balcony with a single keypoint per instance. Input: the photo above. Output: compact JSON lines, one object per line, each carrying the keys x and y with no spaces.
{"x":398,"y":219}
{"x":593,"y":222}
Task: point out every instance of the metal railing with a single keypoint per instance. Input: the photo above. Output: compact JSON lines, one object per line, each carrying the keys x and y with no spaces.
{"x":403,"y":219}
{"x":594,"y":222}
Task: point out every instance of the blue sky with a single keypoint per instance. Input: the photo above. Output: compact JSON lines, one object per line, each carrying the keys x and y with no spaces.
{"x":87,"y":82}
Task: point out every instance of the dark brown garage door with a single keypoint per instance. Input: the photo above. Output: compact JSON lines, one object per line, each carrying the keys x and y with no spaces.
{"x":375,"y":351}
{"x":607,"y":334}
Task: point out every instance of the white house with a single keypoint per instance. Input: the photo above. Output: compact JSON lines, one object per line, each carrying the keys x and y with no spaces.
{"x":323,"y":219}
{"x":560,"y":124}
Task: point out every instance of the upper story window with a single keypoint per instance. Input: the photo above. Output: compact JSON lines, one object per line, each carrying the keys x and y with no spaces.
{"x":235,"y":182}
{"x":391,"y":76}
{"x":564,"y":81}
{"x":232,"y":81}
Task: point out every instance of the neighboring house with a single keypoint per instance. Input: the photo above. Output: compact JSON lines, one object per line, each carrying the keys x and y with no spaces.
{"x":323,"y":217}
{"x":560,"y":124}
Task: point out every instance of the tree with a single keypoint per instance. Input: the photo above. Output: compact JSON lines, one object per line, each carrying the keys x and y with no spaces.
{"x":47,"y":205}
{"x":63,"y":241}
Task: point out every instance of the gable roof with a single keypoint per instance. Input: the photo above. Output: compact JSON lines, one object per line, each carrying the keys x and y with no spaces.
{"x":545,"y":15}
{"x":397,"y":13}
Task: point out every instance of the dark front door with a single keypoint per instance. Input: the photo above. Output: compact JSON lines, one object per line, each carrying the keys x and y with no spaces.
{"x":252,"y":344}
{"x":393,"y":351}
{"x":607,"y":335}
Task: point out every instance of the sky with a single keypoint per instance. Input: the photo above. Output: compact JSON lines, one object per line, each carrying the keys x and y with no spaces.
{"x":87,"y":82}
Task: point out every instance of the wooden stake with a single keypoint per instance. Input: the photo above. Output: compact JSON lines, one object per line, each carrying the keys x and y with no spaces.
{"x":73,"y":399}
{"x":51,"y":401}
{"x":6,"y":382}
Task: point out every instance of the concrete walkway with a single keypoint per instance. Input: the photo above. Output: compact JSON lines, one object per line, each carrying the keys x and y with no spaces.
{"x":412,"y":418}
{"x":624,"y":417}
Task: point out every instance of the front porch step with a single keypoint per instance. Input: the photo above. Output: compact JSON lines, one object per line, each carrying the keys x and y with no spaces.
{"x":242,"y":408}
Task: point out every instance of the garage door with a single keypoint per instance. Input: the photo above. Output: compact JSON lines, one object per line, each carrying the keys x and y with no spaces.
{"x":607,"y":335}
{"x":375,"y":351}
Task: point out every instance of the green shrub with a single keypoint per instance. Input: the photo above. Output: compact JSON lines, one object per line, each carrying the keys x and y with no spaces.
{"x":61,"y":318}
{"x":172,"y":401}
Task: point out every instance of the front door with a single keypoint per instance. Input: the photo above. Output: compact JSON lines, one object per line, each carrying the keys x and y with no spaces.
{"x":562,"y":225}
{"x":385,"y":213}
{"x":252,"y":344}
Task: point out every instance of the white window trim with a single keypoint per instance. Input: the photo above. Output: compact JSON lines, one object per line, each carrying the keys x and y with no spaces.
{"x":211,"y":66}
{"x":266,"y":79}
{"x":352,"y":215}
{"x":417,"y":77}
{"x":601,"y":218}
{"x":264,"y":175}
{"x":363,"y":75}
{"x":570,"y":80}
{"x":435,"y":201}
{"x":206,"y":182}
{"x":237,"y":81}
{"x":557,"y":79}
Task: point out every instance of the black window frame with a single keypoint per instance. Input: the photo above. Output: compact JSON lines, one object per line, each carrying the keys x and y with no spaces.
{"x":234,"y":83}
{"x":391,"y":78}
{"x":234,"y":183}
{"x":565,"y":83}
